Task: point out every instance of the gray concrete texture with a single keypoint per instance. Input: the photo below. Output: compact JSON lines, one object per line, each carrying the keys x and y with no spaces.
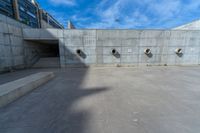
{"x":11,"y":46}
{"x":13,"y":90}
{"x":14,"y":51}
{"x":108,"y":100}
{"x":130,"y":44}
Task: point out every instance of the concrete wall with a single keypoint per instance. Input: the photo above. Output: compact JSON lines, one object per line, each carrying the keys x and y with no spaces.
{"x":132,"y":43}
{"x":13,"y":49}
{"x":17,"y":51}
{"x":11,"y":46}
{"x":12,"y":22}
{"x":98,"y":44}
{"x":190,"y":26}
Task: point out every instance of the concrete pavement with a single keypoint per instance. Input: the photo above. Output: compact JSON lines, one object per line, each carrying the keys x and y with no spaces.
{"x":109,"y":100}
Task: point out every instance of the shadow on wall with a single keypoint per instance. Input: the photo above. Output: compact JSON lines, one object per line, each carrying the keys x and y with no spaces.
{"x":53,"y":108}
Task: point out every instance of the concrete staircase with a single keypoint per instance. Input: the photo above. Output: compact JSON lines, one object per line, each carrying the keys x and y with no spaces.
{"x":49,"y":62}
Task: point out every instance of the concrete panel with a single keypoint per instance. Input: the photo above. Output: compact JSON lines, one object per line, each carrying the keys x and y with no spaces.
{"x":15,"y":30}
{"x":72,"y":49}
{"x":129,"y":50}
{"x":5,"y":51}
{"x":190,"y":59}
{"x":192,"y":41}
{"x":177,"y":41}
{"x":61,"y":46}
{"x":2,"y":17}
{"x":171,"y":60}
{"x":134,"y":42}
{"x":179,"y":34}
{"x":13,"y":22}
{"x":60,"y":33}
{"x":110,"y":59}
{"x":4,"y":27}
{"x":1,"y":38}
{"x":74,"y":59}
{"x":5,"y":62}
{"x":31,"y":33}
{"x":90,"y":59}
{"x":121,"y":34}
{"x":17,"y":50}
{"x":192,"y":50}
{"x":146,"y":34}
{"x":75,"y":41}
{"x":80,"y":38}
{"x":18,"y":60}
{"x":16,"y":41}
{"x":62,"y":61}
{"x":89,"y":50}
{"x":163,"y":59}
{"x":129,"y":59}
{"x":146,"y":60}
{"x":112,"y":42}
{"x":78,"y":33}
{"x":6,"y":39}
{"x":48,"y":34}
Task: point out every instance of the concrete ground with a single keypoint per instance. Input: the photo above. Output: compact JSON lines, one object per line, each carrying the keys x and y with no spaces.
{"x":108,"y":100}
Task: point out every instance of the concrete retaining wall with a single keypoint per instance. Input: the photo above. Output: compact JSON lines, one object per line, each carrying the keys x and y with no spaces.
{"x":130,"y":44}
{"x":14,"y":52}
{"x":96,"y":46}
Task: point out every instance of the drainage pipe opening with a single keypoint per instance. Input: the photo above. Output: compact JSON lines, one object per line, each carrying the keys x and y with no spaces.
{"x":114,"y":52}
{"x":147,"y":51}
{"x":78,"y":51}
{"x":178,"y":51}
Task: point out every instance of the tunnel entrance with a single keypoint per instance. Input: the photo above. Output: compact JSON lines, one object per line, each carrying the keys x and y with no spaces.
{"x":47,"y":52}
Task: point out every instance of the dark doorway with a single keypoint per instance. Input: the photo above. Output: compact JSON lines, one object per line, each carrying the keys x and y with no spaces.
{"x":48,"y":53}
{"x":49,"y":50}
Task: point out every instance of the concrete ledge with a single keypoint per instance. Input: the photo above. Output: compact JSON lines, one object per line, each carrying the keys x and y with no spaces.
{"x":15,"y":89}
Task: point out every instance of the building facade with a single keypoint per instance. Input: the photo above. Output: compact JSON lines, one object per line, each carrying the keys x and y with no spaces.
{"x":6,"y":8}
{"x":29,"y":13}
{"x":47,"y":21}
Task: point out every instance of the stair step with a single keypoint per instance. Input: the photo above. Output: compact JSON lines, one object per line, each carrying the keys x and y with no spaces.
{"x":47,"y":63}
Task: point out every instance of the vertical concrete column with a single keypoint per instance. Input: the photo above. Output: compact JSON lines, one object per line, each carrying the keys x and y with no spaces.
{"x":38,"y":16}
{"x":16,"y":9}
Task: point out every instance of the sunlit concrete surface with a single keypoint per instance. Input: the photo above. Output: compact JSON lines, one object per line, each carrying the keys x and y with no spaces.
{"x":108,"y":100}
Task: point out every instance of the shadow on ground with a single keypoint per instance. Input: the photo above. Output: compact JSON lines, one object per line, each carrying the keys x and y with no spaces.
{"x":50,"y":108}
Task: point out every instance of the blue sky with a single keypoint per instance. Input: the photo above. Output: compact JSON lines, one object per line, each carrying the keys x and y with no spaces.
{"x":123,"y":14}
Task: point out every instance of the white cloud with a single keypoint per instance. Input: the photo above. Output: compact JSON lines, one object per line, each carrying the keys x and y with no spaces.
{"x":64,"y":2}
{"x":133,"y":13}
{"x":117,"y":15}
{"x":143,"y":13}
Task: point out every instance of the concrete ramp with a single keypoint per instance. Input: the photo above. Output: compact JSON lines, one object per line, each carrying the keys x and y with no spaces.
{"x":15,"y":89}
{"x":49,"y":62}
